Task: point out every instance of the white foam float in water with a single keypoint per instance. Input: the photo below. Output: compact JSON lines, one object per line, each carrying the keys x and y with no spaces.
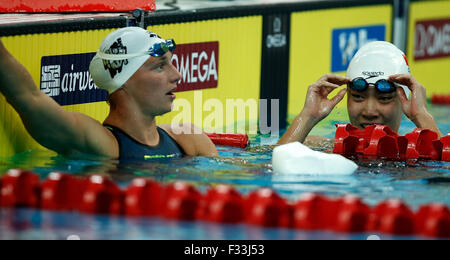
{"x":296,"y":158}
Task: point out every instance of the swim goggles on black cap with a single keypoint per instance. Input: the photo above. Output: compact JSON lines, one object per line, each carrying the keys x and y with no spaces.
{"x":382,"y":85}
{"x":156,"y":50}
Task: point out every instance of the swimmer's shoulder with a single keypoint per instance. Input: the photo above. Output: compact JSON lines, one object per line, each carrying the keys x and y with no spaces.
{"x":191,"y":138}
{"x":88,"y":137}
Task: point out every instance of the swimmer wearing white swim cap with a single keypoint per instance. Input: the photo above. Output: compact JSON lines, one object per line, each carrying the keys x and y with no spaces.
{"x":134,"y":66}
{"x":378,"y":86}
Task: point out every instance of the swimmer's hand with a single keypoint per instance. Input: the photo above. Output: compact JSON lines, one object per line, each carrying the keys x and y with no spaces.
{"x":317,"y":105}
{"x":415,"y":108}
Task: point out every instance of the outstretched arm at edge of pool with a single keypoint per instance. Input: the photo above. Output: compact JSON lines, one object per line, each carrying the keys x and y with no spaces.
{"x":48,"y":123}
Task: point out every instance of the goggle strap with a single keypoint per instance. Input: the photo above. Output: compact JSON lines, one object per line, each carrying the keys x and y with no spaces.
{"x":107,"y":56}
{"x":164,"y":46}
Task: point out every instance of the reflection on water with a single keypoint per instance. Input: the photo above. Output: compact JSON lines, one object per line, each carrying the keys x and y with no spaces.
{"x":33,"y":224}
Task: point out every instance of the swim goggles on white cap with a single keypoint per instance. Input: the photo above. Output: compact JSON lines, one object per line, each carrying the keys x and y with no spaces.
{"x":382,"y":85}
{"x":156,"y":50}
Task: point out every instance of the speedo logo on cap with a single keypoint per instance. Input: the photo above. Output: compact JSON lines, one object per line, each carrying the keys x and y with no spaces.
{"x":372,"y":74}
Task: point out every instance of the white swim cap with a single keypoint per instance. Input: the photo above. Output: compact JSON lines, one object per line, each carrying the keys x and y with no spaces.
{"x":122,"y":53}
{"x":378,"y":60}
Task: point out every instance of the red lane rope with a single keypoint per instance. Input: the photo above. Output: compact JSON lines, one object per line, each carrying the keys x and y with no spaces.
{"x":236,"y":140}
{"x":223,"y":204}
{"x":443,"y":99}
{"x":379,"y":141}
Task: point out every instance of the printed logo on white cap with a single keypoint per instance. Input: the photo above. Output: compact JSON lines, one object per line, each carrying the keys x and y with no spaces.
{"x":115,"y":66}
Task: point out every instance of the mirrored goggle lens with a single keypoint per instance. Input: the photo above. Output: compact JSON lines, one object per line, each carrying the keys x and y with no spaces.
{"x":359,"y":84}
{"x":171,"y":45}
{"x":159,"y":49}
{"x":385,"y":86}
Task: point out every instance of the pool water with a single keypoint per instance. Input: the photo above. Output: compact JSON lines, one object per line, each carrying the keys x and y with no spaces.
{"x":414,"y":182}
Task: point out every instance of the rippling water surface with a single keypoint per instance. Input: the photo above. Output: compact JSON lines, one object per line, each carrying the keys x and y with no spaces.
{"x":415,"y":182}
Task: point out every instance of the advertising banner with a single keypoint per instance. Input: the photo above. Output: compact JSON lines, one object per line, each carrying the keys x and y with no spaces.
{"x":66,"y":79}
{"x":220,"y":66}
{"x":347,"y":41}
{"x":432,"y":39}
{"x":198,"y":65}
{"x":428,"y":47}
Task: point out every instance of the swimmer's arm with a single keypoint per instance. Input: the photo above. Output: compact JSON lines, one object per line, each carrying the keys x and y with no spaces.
{"x":48,"y":123}
{"x":298,"y":130}
{"x":205,"y":147}
{"x":317,"y":107}
{"x":427,"y":121}
{"x":16,"y":83}
{"x":192,"y":139}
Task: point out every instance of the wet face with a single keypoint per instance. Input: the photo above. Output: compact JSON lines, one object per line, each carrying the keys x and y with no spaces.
{"x":153,"y":84}
{"x":373,"y":107}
